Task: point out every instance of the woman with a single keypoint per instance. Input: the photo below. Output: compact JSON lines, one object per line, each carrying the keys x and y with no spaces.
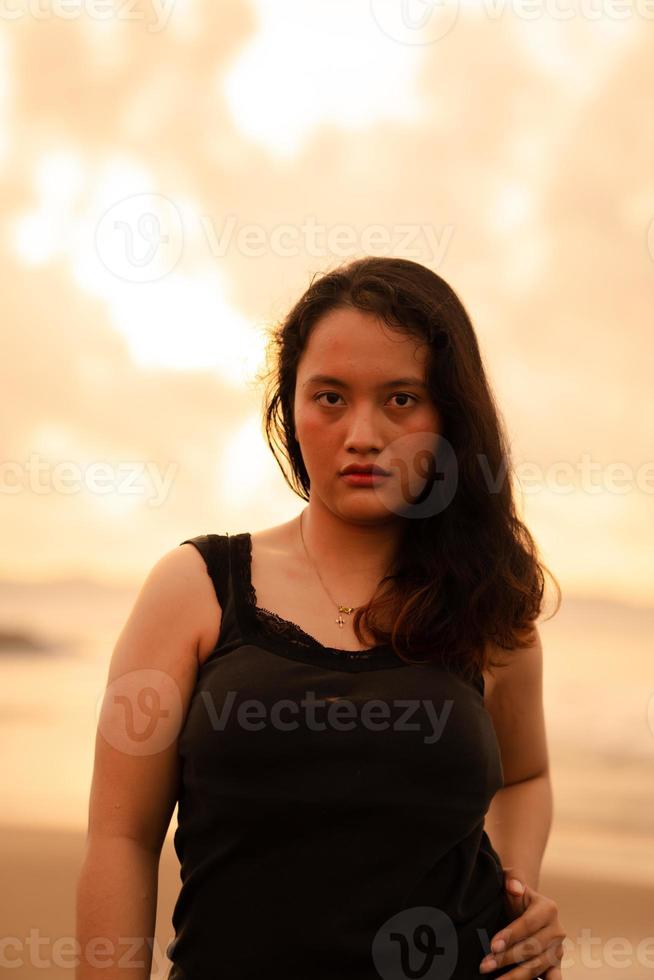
{"x":347,"y":706}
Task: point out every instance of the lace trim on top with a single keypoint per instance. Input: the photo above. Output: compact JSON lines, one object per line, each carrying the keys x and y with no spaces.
{"x":291,"y":637}
{"x":284,"y":629}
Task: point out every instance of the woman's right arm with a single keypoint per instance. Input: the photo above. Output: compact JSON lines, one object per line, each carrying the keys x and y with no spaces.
{"x":133,"y":794}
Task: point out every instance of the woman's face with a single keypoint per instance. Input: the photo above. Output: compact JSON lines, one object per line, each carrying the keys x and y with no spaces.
{"x":380,"y":412}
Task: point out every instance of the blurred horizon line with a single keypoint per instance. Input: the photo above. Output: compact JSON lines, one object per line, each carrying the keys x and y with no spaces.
{"x":578,"y":598}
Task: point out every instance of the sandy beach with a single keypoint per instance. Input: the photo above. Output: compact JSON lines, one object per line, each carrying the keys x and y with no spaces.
{"x":609,"y":923}
{"x":599,"y":862}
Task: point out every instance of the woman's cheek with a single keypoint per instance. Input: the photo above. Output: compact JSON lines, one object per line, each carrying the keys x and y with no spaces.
{"x":311,"y":426}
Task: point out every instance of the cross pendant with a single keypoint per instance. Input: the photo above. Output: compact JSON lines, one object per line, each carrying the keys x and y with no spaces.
{"x":343,"y":609}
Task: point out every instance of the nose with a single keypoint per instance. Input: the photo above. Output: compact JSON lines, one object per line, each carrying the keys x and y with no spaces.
{"x":362,"y":433}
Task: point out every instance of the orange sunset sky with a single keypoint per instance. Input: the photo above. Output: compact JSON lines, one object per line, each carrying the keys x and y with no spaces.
{"x":175,"y":173}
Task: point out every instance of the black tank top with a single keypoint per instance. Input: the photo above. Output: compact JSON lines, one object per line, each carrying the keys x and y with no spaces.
{"x":331,"y":806}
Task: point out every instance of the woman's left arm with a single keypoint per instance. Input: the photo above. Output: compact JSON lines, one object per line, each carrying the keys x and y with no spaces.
{"x":519,"y":818}
{"x":518,"y":824}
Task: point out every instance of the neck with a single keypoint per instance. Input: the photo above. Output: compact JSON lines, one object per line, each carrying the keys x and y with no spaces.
{"x":352,"y":554}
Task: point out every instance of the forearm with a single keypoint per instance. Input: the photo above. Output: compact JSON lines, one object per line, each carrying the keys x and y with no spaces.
{"x":116,"y":902}
{"x":518,"y":824}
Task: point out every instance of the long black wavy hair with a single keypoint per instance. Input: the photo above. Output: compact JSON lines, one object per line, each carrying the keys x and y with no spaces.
{"x":467,"y":582}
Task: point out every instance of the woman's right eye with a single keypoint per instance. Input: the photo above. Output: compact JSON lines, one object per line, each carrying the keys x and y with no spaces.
{"x":320,"y":394}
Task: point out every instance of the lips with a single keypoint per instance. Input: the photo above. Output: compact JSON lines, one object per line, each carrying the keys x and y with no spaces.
{"x":364,"y":470}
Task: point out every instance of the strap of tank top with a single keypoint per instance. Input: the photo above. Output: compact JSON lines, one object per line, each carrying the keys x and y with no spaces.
{"x":214,"y":548}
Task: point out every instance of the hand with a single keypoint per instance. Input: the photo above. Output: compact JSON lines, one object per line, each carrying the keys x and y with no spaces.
{"x":534,"y":938}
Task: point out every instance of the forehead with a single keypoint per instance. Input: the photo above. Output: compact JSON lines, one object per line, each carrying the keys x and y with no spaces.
{"x":353,"y":339}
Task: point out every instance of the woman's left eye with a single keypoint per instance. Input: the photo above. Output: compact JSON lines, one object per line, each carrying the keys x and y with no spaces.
{"x":404,"y":394}
{"x":398,"y":394}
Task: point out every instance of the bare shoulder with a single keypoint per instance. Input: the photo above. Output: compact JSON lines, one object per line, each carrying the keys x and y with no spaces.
{"x":176,"y":597}
{"x":189,"y":570}
{"x":150,"y":682}
{"x":203,"y":606}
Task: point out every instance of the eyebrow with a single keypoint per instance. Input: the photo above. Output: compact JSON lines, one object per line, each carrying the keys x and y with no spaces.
{"x":329,"y":380}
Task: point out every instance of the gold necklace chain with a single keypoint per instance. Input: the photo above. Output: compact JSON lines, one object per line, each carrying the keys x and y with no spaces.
{"x":341,"y":608}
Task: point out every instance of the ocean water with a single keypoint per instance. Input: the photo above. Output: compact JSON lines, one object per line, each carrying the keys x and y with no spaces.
{"x":598,"y":688}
